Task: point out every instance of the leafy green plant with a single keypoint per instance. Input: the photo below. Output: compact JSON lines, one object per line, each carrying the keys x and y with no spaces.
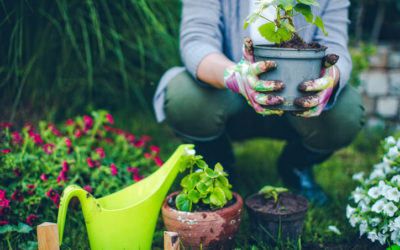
{"x":360,"y":56}
{"x":282,"y":28}
{"x":203,"y":186}
{"x":37,"y":163}
{"x":271,"y":191}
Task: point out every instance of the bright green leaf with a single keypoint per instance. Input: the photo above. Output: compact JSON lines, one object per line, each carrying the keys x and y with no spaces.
{"x":207,"y":180}
{"x":305,"y":10}
{"x":201,"y":164}
{"x":217,"y":197}
{"x":284,"y":4}
{"x":202,"y":188}
{"x":183,"y":203}
{"x":228,"y":193}
{"x":320,"y":24}
{"x":309,"y":2}
{"x":250,"y":19}
{"x":188,"y":182}
{"x":289,"y":27}
{"x":218,"y":168}
{"x":210,"y":173}
{"x":24,"y":228}
{"x":268,"y":32}
{"x":284,"y":34}
{"x":194,"y":196}
{"x":223,"y":181}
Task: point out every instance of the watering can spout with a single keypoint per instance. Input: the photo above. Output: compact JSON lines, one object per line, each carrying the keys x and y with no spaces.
{"x":125,"y":219}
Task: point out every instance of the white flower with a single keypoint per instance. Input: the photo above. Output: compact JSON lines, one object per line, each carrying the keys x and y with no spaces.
{"x":381,"y":238}
{"x":374,"y":192}
{"x":393,"y":153}
{"x":384,"y":229}
{"x":354,"y":220}
{"x":349,"y":211}
{"x":395,"y":237}
{"x":375,"y":221}
{"x":364,"y":205}
{"x":395,"y":180}
{"x":363,"y":227}
{"x":377,"y":173}
{"x":389,"y":209}
{"x":383,"y":188}
{"x":390,"y":141}
{"x":395,"y":224}
{"x":359,"y":176}
{"x":334,"y":229}
{"x":385,"y":166}
{"x":189,"y":151}
{"x":378,"y":206}
{"x":393,"y":194}
{"x":372,"y":236}
{"x":357,"y":194}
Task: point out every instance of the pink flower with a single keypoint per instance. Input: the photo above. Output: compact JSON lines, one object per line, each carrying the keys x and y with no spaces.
{"x":137,"y":178}
{"x":31,"y":189}
{"x":17,"y":138}
{"x":69,"y":122}
{"x":88,"y":188}
{"x":32,"y":219}
{"x":56,"y":200}
{"x":155,"y":149}
{"x":113,"y":169}
{"x":5,"y":211}
{"x":3,"y":222}
{"x":68,"y":142}
{"x":90,"y":162}
{"x":17,"y":172}
{"x":6,"y":125}
{"x":6,"y":151}
{"x":130,"y":137}
{"x":37,"y":139}
{"x":54,"y":130}
{"x":110,"y":118}
{"x":139,"y":143}
{"x":109,"y":140}
{"x":49,"y":148}
{"x":30,"y":127}
{"x":78,"y":133}
{"x":3,"y":200}
{"x":146,"y":138}
{"x":158,"y":161}
{"x":147,"y":155}
{"x":107,"y":128}
{"x":88,"y":121}
{"x":132,"y":170}
{"x":17,"y":196}
{"x":43,"y":177}
{"x":63,"y":176}
{"x":51,"y":193}
{"x":100,"y":152}
{"x":65,"y":166}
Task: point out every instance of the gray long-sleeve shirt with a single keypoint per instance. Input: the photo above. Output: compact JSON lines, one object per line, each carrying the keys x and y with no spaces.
{"x":210,"y":26}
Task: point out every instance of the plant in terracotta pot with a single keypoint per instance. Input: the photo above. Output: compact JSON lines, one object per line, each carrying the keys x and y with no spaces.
{"x":206,"y":213}
{"x":276,"y":214}
{"x":289,"y":51}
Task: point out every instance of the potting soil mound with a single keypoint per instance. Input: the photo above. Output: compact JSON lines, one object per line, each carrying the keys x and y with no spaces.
{"x":200,"y":207}
{"x":288,"y":203}
{"x":297,"y":43}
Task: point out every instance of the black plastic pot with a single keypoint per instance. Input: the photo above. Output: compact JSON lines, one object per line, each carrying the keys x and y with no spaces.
{"x":293,"y":67}
{"x":283,"y":225}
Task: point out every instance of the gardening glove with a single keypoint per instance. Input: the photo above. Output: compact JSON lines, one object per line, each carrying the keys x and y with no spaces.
{"x":322,"y":86}
{"x":243,"y":78}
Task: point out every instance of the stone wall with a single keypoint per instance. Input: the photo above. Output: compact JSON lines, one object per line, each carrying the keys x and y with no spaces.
{"x":380,"y":87}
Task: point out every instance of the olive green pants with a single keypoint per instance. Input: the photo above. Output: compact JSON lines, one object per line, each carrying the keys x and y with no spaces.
{"x":202,"y":113}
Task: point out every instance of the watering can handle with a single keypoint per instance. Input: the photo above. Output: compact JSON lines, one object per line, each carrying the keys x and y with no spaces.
{"x":68,"y":193}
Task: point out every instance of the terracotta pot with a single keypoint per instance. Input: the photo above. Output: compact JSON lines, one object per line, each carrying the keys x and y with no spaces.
{"x":266,"y":222}
{"x":212,"y":229}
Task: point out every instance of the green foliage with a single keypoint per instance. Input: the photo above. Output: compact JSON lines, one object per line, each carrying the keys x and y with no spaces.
{"x":272,"y":192}
{"x":282,"y":28}
{"x":38,"y":163}
{"x":359,"y":56}
{"x":203,"y":186}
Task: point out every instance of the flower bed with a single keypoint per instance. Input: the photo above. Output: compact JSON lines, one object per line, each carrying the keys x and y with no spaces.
{"x":38,"y":163}
{"x":376,"y":212}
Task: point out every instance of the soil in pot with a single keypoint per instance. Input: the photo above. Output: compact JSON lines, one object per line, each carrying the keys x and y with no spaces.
{"x":206,"y":229}
{"x":282,"y":220}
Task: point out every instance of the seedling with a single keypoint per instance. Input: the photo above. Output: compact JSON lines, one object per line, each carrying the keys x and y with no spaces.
{"x":271,"y":191}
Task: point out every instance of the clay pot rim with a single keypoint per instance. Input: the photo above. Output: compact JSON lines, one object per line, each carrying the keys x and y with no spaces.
{"x":300,"y":211}
{"x":237,"y":205}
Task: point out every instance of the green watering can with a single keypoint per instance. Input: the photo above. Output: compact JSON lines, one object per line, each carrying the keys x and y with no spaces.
{"x":125,"y":219}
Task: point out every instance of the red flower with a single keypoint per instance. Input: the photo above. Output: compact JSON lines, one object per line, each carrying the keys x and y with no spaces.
{"x":30,"y":127}
{"x":3,"y":200}
{"x":4,"y":211}
{"x":147,"y":155}
{"x":107,"y":128}
{"x":43,"y":177}
{"x":65,"y":166}
{"x":51,"y":193}
{"x":56,"y":200}
{"x":137,"y":178}
{"x":100,"y":152}
{"x":32,"y":219}
{"x":110,"y":118}
{"x":155,"y":149}
{"x":88,"y":188}
{"x":54,"y":130}
{"x":90,"y":162}
{"x":139,"y":143}
{"x":68,"y":142}
{"x":49,"y":148}
{"x":63,"y":176}
{"x":158,"y":161}
{"x":31,"y":189}
{"x":78,"y":133}
{"x":130,"y":137}
{"x":69,"y":122}
{"x":37,"y":139}
{"x":146,"y":138}
{"x":3,"y":222}
{"x":6,"y":125}
{"x":17,"y":196}
{"x":17,"y":138}
{"x":132,"y":170}
{"x":88,"y":121}
{"x":17,"y":172}
{"x":6,"y":151}
{"x":113,"y":169}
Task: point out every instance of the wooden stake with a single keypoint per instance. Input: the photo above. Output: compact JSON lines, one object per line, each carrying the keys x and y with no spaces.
{"x":47,"y":234}
{"x":171,"y":241}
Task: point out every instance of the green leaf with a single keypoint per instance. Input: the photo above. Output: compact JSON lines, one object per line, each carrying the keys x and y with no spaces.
{"x":7,"y":228}
{"x":251,"y":19}
{"x":202,"y":188}
{"x":187,"y":182}
{"x":305,"y":10}
{"x":24,"y":228}
{"x":217,"y":197}
{"x":284,"y":34}
{"x":289,"y":27}
{"x":183,"y":203}
{"x":210,"y":173}
{"x":206,"y":200}
{"x":201,"y":164}
{"x":268,"y":32}
{"x":222,"y":181}
{"x":228,"y":193}
{"x":219,"y":169}
{"x":194,"y":196}
{"x":207,"y":180}
{"x":284,"y":4}
{"x":309,"y":2}
{"x":320,"y":24}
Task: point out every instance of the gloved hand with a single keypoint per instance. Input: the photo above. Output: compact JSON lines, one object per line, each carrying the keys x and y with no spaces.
{"x":242,"y":78}
{"x":324,"y":87}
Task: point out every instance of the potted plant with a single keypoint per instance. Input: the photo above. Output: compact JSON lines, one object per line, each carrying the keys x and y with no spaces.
{"x":206,"y":213}
{"x":290,"y":52}
{"x":276,"y":214}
